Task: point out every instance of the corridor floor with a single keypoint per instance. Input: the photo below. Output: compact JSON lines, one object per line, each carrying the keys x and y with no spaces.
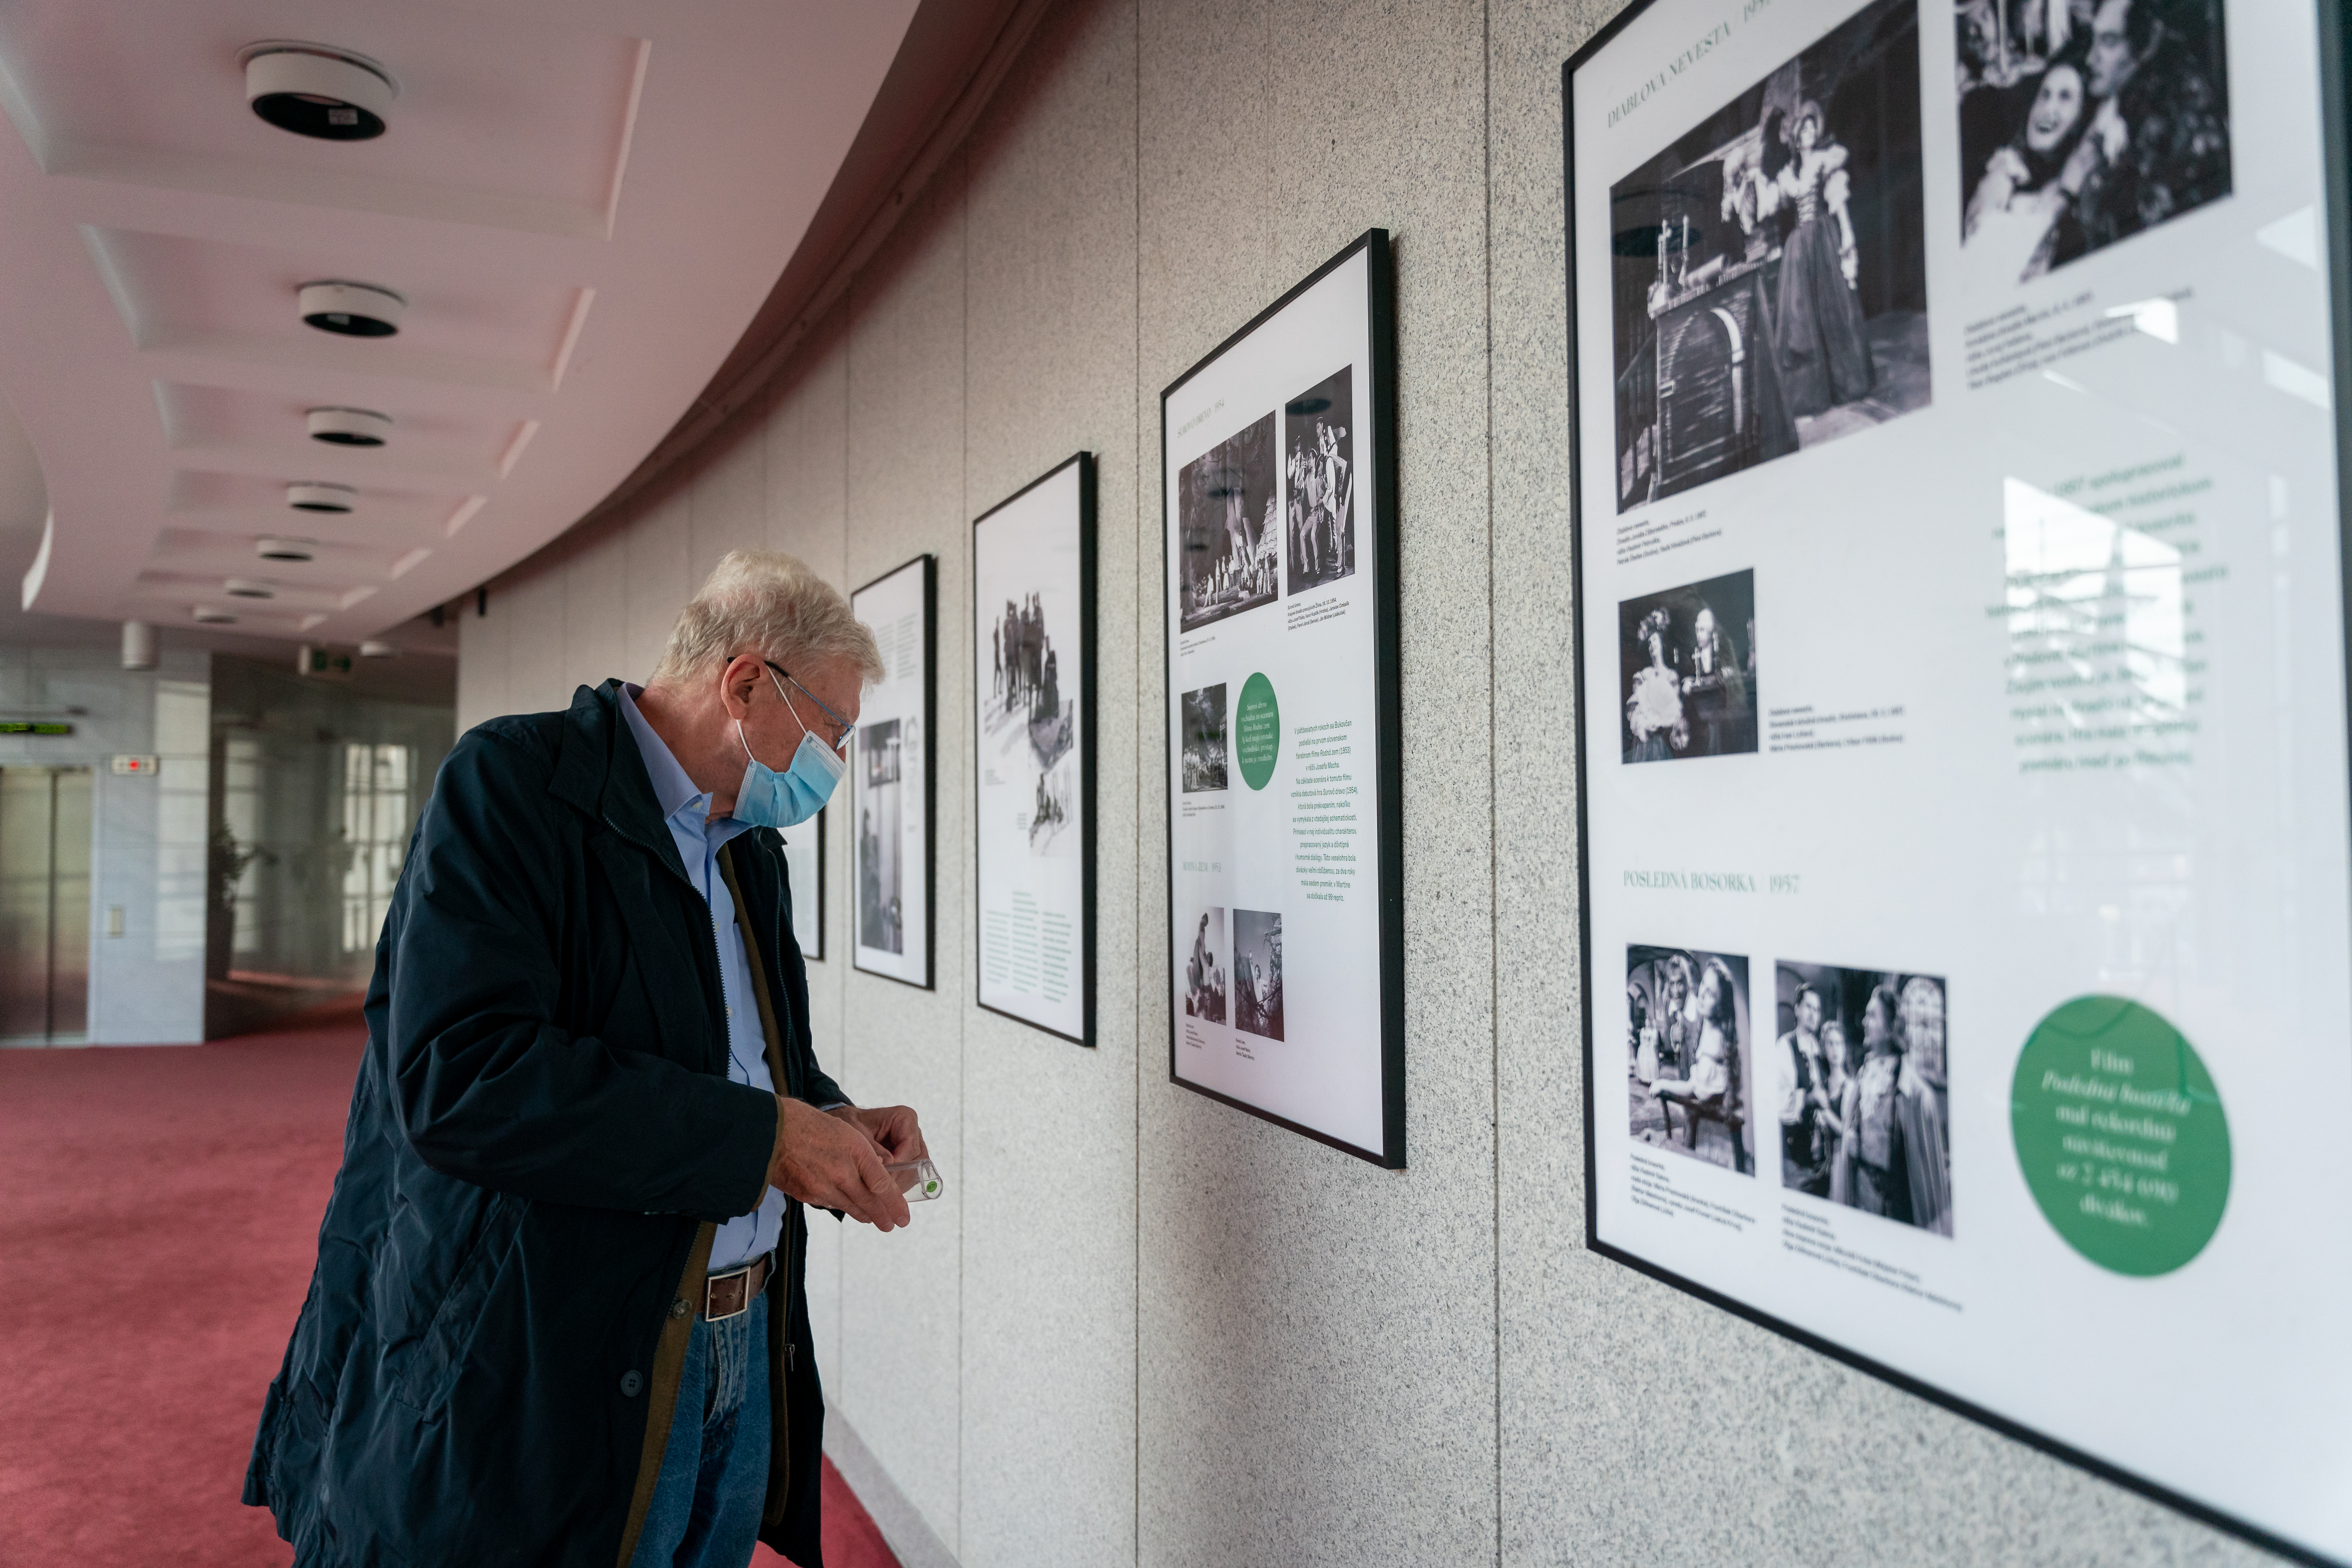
{"x":159,"y":1211}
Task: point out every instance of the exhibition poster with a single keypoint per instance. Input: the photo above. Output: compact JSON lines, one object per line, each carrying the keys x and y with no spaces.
{"x":1285,"y":834}
{"x":804,"y":865}
{"x":1957,"y":437}
{"x":1033,"y":746}
{"x":891,"y":779}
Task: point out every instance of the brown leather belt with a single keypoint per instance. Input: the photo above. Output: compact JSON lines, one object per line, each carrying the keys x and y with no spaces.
{"x":730,"y":1295}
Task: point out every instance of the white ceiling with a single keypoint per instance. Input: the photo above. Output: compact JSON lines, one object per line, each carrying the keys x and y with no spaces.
{"x":584,"y":202}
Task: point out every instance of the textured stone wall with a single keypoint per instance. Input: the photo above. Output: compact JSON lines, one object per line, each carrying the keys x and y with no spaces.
{"x":1144,"y":1327}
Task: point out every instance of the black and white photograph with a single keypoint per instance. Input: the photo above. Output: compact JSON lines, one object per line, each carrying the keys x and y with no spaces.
{"x":1686,"y":663}
{"x":1028,"y":679}
{"x":1230,"y":522}
{"x":1770,"y":279}
{"x":1032,"y":752}
{"x":1205,"y":968}
{"x":1029,"y":709}
{"x":1686,"y":1054}
{"x":1258,"y":973}
{"x":1319,"y":475}
{"x":2083,"y":122}
{"x":1857,"y":1074}
{"x":1204,"y":739}
{"x":881,"y":882}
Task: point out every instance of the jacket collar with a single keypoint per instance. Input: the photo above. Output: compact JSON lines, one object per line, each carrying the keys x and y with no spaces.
{"x":600,"y":771}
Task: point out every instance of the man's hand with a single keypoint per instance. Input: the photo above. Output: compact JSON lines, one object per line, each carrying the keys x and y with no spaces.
{"x":831,"y":1162}
{"x":892,"y":1128}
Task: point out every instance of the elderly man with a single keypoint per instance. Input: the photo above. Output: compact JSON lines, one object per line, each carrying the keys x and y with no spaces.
{"x":557,"y":1315}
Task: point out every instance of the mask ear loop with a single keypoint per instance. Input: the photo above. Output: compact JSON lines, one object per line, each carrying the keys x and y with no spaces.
{"x":745,"y":743}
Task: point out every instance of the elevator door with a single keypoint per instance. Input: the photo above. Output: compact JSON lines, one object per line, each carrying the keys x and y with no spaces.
{"x":44,"y":905}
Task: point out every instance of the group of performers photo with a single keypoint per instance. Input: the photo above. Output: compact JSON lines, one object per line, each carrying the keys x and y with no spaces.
{"x":1769,"y":265}
{"x":1860,"y":1083}
{"x":1687,"y":1057}
{"x":1856,"y":1076}
{"x":1320,"y":475}
{"x":1687,"y":669}
{"x":2083,"y":122}
{"x":1230,"y":527}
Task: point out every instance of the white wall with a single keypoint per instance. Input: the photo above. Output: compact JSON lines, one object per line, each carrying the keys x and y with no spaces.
{"x":1143,"y":1327}
{"x":147,"y":849}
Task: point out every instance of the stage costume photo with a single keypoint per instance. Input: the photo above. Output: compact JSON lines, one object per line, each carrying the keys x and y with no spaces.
{"x":1824,"y":356}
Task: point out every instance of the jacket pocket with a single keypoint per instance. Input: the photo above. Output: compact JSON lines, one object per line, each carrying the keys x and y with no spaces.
{"x":436,"y":1360}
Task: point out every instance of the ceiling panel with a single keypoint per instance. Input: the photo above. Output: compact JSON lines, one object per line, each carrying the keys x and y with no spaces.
{"x":132,"y":91}
{"x":268,"y":434}
{"x":583,"y":202}
{"x":209,"y":499}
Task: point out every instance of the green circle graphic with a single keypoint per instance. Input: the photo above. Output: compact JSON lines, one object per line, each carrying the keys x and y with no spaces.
{"x":1257,"y":731}
{"x":2121,"y":1135}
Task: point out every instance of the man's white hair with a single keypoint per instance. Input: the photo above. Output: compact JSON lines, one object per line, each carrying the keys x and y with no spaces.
{"x":766,"y":603}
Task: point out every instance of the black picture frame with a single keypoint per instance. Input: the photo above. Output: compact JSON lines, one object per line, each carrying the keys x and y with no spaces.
{"x":2336,"y":69}
{"x":931,"y":568}
{"x":1088,"y":559}
{"x":1389,"y":769}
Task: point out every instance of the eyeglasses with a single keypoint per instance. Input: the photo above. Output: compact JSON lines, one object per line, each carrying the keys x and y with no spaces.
{"x":843,"y":725}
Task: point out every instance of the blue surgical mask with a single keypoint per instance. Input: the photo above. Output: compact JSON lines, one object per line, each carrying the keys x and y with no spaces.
{"x":767,"y":799}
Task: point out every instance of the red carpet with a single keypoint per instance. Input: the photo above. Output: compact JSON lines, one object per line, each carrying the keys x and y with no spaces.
{"x":159,"y":1213}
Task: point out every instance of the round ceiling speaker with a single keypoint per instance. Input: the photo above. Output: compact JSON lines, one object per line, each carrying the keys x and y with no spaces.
{"x":276,"y":547}
{"x":249,"y":588}
{"x":314,"y":90}
{"x":352,"y":309}
{"x":379,"y":650}
{"x":350,"y":426}
{"x":321,"y":498}
{"x":206,"y":615}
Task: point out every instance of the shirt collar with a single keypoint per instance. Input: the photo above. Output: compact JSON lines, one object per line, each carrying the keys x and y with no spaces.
{"x":673,"y":791}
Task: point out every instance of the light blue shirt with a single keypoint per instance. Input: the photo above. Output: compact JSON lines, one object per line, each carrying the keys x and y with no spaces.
{"x":699,"y":836}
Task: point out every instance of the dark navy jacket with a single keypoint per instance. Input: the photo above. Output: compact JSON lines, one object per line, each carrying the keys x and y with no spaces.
{"x":540,"y":1141}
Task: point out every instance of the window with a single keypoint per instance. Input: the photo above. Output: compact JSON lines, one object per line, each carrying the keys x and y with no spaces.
{"x":375,"y":828}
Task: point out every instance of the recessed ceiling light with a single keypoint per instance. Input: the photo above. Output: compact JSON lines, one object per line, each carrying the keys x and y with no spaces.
{"x":350,"y":426}
{"x":352,"y":309}
{"x":276,"y":547}
{"x":313,"y":89}
{"x":320,"y":498}
{"x":379,"y":650}
{"x":249,"y":588}
{"x":208,"y":617}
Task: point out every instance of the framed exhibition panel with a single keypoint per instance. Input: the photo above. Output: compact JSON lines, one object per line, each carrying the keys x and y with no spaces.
{"x":1285,"y":870}
{"x":805,"y":865}
{"x":1032,"y":580}
{"x":1957,"y":416}
{"x":891,"y":774}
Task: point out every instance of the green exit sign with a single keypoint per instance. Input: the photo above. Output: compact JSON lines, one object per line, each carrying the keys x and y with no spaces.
{"x":32,"y":726}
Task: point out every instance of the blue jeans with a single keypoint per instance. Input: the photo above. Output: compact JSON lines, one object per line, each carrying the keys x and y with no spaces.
{"x":714,"y":1474}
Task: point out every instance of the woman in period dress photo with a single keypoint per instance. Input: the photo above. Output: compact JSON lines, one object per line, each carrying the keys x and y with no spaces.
{"x":1654,"y":713}
{"x":1823,"y":351}
{"x":1712,"y":1087}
